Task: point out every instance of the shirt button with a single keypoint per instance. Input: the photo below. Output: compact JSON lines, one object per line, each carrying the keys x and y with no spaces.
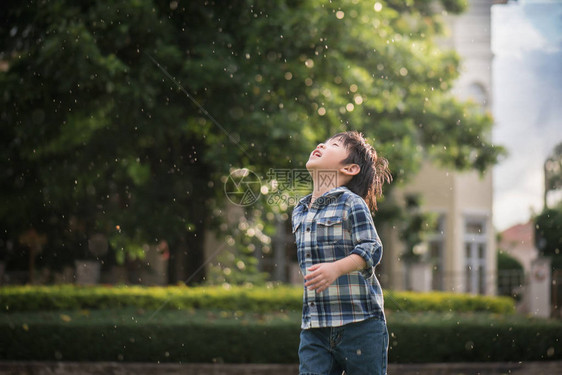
{"x":308,"y":229}
{"x":308,"y":255}
{"x":312,"y":304}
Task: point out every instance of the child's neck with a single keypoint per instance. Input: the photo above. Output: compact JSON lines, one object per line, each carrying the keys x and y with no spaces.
{"x":323,"y":184}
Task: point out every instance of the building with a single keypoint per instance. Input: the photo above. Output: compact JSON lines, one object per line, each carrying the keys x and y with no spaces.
{"x":460,"y":256}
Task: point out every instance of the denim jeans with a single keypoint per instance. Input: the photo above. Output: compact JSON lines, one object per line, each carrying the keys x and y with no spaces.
{"x":356,"y":348}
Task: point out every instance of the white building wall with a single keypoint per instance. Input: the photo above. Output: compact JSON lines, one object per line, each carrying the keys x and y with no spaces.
{"x":463,"y":198}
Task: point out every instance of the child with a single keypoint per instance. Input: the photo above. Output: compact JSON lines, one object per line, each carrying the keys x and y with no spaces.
{"x":343,"y":322}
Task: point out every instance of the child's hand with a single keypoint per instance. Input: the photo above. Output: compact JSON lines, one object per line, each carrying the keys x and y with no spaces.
{"x":321,"y":276}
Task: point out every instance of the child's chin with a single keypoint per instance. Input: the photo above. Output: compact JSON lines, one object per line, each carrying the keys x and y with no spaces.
{"x":311,"y":164}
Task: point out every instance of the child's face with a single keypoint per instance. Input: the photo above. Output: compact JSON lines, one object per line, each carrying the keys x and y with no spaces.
{"x":327,"y":156}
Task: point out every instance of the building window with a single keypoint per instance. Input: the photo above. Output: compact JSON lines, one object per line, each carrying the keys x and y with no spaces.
{"x":475,"y":255}
{"x":477,"y":93}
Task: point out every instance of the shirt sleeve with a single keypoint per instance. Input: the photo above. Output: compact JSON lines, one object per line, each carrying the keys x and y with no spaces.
{"x":364,"y":237}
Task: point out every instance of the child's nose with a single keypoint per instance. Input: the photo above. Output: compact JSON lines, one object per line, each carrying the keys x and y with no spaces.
{"x":321,"y":145}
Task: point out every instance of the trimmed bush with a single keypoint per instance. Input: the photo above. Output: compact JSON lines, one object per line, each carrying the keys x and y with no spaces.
{"x":453,"y":338}
{"x":163,"y":339}
{"x":238,"y":337}
{"x":68,"y":297}
{"x":446,"y":302}
{"x":256,"y":299}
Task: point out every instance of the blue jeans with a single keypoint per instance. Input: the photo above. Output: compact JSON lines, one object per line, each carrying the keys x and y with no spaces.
{"x":356,"y":348}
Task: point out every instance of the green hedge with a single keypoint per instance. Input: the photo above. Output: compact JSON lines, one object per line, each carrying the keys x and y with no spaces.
{"x":167,"y":338}
{"x":68,"y":297}
{"x":198,"y":336}
{"x":256,"y":299}
{"x":452,"y":338}
{"x":447,"y":302}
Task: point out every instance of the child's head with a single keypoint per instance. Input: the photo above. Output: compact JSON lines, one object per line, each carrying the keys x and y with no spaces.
{"x":373,"y":169}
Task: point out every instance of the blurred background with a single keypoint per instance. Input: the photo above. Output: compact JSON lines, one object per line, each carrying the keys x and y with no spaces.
{"x":158,"y":143}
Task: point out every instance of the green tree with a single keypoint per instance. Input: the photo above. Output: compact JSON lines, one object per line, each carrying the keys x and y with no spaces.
{"x":416,"y":226}
{"x":507,"y":263}
{"x":553,"y":172}
{"x":548,"y":229}
{"x":548,"y":224}
{"x":122,"y":118}
{"x":511,"y":275}
{"x":548,"y":238}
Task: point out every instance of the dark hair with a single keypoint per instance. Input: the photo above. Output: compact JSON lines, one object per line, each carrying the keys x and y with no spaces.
{"x":374,"y":169}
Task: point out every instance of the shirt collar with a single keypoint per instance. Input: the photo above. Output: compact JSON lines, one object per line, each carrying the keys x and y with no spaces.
{"x":325,"y":198}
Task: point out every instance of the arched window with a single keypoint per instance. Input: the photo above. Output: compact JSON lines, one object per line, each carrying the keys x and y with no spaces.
{"x":477,"y":93}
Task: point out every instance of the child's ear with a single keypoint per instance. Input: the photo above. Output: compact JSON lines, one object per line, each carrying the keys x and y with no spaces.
{"x":351,"y":169}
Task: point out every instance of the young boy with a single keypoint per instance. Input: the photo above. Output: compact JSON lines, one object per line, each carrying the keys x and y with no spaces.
{"x":343,"y":322}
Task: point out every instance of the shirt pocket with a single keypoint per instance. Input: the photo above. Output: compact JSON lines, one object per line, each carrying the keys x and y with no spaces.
{"x":329,"y":230}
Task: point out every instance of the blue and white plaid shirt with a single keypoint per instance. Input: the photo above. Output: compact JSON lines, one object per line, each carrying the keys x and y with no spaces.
{"x":338,"y":224}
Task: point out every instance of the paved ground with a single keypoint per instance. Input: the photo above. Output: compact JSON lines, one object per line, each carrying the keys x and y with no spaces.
{"x":114,"y":368}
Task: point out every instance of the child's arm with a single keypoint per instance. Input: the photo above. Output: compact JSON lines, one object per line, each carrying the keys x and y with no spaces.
{"x":322,"y":275}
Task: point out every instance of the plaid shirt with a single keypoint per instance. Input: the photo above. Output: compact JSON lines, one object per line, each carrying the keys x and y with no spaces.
{"x":338,"y":224}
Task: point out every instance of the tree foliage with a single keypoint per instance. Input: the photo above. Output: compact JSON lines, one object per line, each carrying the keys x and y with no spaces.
{"x":548,"y":229}
{"x":122,"y":117}
{"x":507,"y":262}
{"x":553,"y":170}
{"x":416,"y":226}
